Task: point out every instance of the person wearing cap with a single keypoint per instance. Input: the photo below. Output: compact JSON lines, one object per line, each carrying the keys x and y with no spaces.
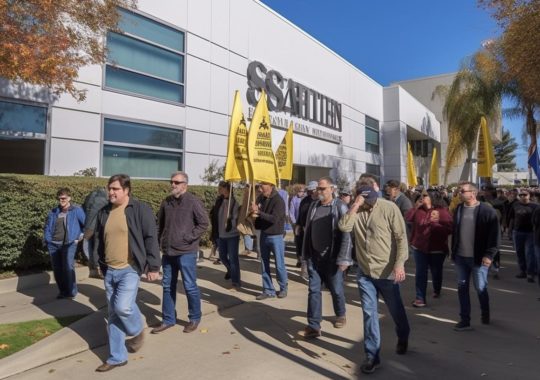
{"x":269,"y":213}
{"x":345,"y":196}
{"x":327,"y":252}
{"x":302,"y":216}
{"x":381,"y":249}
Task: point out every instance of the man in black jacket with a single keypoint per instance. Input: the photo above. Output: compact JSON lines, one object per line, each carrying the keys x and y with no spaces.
{"x":126,"y":243}
{"x":269,"y":213}
{"x":182,"y":219}
{"x":474,"y":244}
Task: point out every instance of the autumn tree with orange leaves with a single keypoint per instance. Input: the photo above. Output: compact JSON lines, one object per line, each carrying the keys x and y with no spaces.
{"x":46,"y":42}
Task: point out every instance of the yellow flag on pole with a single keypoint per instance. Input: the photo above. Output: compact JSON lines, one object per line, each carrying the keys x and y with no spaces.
{"x":411,"y":169}
{"x":434,"y":170}
{"x":284,"y":155}
{"x":237,"y":165}
{"x":486,"y":156}
{"x":260,"y":153}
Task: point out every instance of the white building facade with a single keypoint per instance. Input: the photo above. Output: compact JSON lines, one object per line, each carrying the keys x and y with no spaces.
{"x":163,"y":100}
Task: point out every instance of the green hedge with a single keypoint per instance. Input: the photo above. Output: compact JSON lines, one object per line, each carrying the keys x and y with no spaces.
{"x":25,"y":201}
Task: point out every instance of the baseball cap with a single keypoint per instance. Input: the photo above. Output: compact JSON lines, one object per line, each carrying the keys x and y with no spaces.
{"x":369,"y":194}
{"x":312,"y":185}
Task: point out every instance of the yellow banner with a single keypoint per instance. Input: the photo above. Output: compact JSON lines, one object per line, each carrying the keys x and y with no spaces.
{"x":434,"y":170}
{"x":284,"y":155}
{"x":260,"y":153}
{"x":486,"y":156}
{"x":237,"y":165}
{"x":411,"y":168}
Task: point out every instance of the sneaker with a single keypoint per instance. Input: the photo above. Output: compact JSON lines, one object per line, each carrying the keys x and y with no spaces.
{"x":311,"y":333}
{"x":402,"y":346}
{"x":340,"y":322}
{"x":521,"y":275}
{"x":370,"y":365}
{"x":436,"y":295}
{"x":418,"y":303}
{"x":264,"y":296}
{"x":462,"y":326}
{"x":282,"y":294}
{"x":485,"y":319}
{"x":299,"y":264}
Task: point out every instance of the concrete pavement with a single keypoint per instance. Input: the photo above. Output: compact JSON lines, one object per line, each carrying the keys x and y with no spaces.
{"x":246,"y":339}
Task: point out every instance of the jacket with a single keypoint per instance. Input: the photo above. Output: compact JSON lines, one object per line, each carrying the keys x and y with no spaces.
{"x":381,"y":245}
{"x":486,"y":235}
{"x":142,"y":236}
{"x":340,"y":248}
{"x":271,"y":219}
{"x":94,"y":202}
{"x":428,"y":236}
{"x":230,"y":228}
{"x":74,"y":224}
{"x":181,"y":223}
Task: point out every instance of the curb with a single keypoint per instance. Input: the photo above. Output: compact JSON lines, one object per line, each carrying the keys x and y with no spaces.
{"x":30,"y":281}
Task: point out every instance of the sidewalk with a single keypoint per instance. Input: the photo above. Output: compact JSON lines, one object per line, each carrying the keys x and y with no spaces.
{"x":247,"y":339}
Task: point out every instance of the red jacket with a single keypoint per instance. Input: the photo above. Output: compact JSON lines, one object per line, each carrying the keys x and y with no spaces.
{"x":428,"y":236}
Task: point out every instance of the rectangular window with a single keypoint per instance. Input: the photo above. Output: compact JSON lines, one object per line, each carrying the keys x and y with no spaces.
{"x":374,"y":170}
{"x":141,"y":150}
{"x":22,"y":120}
{"x":146,"y":59}
{"x":372,"y":135}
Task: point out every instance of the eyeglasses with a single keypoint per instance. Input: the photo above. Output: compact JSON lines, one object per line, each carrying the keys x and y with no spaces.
{"x":425,"y":195}
{"x":523,"y":195}
{"x":321,"y":188}
{"x":465,"y":191}
{"x":177,"y":182}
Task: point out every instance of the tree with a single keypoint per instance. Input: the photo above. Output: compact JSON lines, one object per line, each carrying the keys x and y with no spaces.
{"x":505,"y":152}
{"x":46,"y":42}
{"x":213,"y":173}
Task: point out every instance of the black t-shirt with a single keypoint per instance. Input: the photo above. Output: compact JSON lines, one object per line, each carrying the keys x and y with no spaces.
{"x":321,"y":229}
{"x":521,"y":215}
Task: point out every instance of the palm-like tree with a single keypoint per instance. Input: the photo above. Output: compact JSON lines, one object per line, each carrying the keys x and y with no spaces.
{"x":475,"y":93}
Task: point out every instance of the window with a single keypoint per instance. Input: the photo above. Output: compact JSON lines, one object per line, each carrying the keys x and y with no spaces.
{"x":23,"y":131}
{"x":372,"y":135}
{"x":374,"y":170}
{"x":146,"y":59}
{"x":420,"y":148}
{"x":141,"y":150}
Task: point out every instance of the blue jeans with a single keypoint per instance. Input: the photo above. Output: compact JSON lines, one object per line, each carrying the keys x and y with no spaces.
{"x":370,"y":288}
{"x":524,"y":244}
{"x":275,"y":244}
{"x":433,"y":261}
{"x":248,"y":242}
{"x":187,"y":265}
{"x":333,"y":278}
{"x":228,"y":254}
{"x":125,"y":318}
{"x":63,"y":264}
{"x":465,"y":268}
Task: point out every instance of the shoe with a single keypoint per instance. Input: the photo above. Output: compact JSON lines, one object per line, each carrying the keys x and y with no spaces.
{"x":530,"y":278}
{"x":340,"y":322}
{"x":418,"y":303}
{"x":217,"y":262}
{"x":299,"y":264}
{"x":160,"y":328}
{"x":227,"y":275}
{"x":436,"y":295}
{"x":59,"y":297}
{"x":264,"y":296}
{"x":521,"y":275}
{"x":134,"y":344}
{"x":311,"y":333}
{"x":282,"y":294}
{"x":191,"y":326}
{"x":485,"y":319}
{"x":402,"y":346}
{"x":370,"y":365}
{"x":107,"y":367}
{"x":462,"y":326}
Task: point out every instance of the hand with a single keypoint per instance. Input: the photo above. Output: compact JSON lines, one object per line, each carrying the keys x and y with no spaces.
{"x":435,"y":216}
{"x":343,"y":267}
{"x":399,"y":275}
{"x":486,"y":261}
{"x":152,"y":276}
{"x":358,"y":202}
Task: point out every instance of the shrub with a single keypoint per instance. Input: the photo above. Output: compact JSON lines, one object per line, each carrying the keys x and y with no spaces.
{"x":25,"y":201}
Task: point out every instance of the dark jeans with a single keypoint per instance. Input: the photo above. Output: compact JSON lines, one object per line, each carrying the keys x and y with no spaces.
{"x":333,"y":278}
{"x":298,"y":242}
{"x":63,"y":264}
{"x":370,"y":288}
{"x":466,"y":269}
{"x":433,"y":261}
{"x":524,"y":245}
{"x":228,"y":254}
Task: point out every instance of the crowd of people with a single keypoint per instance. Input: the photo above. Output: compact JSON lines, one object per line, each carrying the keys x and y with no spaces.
{"x":334,"y":229}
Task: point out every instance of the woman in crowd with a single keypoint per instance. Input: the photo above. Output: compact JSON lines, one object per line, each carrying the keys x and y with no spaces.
{"x":431,"y":225}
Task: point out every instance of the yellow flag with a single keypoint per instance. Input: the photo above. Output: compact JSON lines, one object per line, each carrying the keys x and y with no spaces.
{"x":434,"y":170}
{"x":237,"y":165}
{"x":486,"y":156}
{"x":284,"y":155}
{"x":411,"y":169}
{"x":260,"y":153}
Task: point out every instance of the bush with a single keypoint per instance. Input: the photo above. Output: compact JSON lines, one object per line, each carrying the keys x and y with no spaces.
{"x":25,"y":201}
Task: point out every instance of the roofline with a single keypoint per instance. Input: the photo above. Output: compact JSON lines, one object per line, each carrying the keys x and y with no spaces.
{"x":424,"y":78}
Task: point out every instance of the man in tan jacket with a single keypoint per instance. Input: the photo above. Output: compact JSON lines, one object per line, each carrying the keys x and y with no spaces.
{"x":381,"y":251}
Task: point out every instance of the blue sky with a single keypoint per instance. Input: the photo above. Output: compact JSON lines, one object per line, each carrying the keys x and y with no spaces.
{"x":393,"y":40}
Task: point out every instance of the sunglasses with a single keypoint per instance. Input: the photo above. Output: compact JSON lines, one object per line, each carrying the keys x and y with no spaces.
{"x":177,"y":182}
{"x":465,"y":191}
{"x":321,"y":188}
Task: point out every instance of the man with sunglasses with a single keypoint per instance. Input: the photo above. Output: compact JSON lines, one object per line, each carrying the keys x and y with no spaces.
{"x":182,"y":219}
{"x":475,"y":241}
{"x":63,"y":230}
{"x":327,"y":251}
